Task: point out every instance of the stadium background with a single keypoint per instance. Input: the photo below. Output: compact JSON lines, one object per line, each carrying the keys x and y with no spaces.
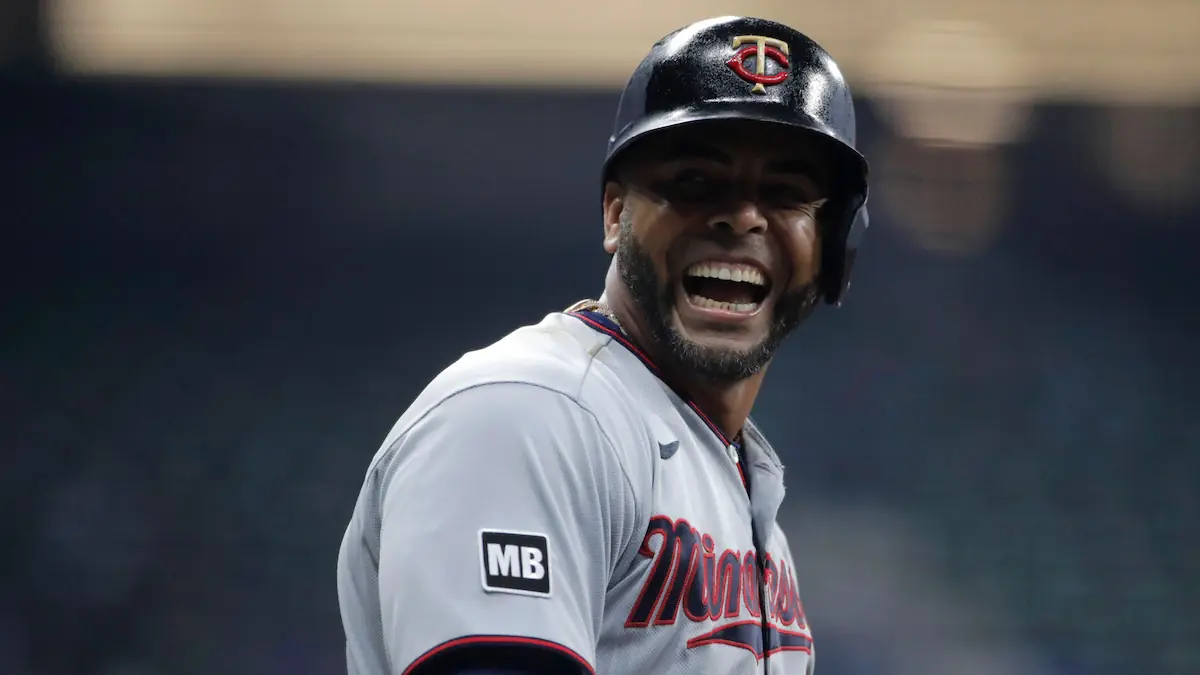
{"x":240,"y":236}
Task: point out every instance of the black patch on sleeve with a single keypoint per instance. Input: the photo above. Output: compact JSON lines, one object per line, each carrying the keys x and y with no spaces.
{"x":515,"y":562}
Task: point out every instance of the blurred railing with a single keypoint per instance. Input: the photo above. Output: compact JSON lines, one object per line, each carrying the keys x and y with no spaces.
{"x":1100,"y":50}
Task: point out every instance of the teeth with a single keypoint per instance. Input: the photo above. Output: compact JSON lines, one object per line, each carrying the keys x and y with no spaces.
{"x":728,"y":272}
{"x":709,"y":303}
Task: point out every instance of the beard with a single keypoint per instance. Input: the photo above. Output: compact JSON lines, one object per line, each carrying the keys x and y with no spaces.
{"x":719,"y":365}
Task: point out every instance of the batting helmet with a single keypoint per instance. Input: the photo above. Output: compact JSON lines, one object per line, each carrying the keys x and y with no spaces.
{"x":741,"y":68}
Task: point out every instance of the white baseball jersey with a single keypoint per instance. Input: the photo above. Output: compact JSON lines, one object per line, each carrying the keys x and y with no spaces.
{"x":551,"y":491}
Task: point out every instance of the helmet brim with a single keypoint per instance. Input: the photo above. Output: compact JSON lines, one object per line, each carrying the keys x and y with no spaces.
{"x":849,"y":167}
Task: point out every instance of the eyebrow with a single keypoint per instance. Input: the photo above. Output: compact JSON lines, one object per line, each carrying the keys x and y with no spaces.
{"x":686,"y":151}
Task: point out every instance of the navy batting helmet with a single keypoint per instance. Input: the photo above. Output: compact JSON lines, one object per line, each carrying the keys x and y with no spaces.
{"x":741,"y":68}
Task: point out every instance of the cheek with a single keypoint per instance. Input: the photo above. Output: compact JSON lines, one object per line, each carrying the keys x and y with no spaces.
{"x":801,"y":247}
{"x":658,"y":237}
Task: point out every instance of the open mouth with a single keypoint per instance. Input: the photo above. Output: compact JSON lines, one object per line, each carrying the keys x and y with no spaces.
{"x":726,"y":287}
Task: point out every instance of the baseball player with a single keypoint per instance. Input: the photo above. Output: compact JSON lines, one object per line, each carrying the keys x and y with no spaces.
{"x":589,"y":494}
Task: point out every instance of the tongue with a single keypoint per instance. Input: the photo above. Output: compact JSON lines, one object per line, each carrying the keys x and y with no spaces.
{"x":720,"y":290}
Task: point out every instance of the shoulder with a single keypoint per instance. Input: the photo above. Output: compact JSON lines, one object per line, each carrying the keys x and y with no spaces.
{"x":544,"y":376}
{"x":555,"y":356}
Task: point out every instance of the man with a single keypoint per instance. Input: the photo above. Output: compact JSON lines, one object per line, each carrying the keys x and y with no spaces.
{"x":588,"y":494}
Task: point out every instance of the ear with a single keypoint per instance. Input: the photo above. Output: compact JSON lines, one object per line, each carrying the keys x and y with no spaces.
{"x":614,"y":202}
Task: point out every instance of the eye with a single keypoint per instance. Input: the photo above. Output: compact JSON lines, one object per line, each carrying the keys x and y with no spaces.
{"x":791,"y":195}
{"x":692,"y":178}
{"x":692,"y":185}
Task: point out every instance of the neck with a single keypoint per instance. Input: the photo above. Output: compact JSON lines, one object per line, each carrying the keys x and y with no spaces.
{"x":728,"y":405}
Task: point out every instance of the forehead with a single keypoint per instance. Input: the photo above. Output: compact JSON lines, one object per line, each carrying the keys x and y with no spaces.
{"x":732,"y":142}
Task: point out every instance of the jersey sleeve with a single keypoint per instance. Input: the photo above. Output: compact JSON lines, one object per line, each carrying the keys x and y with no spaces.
{"x":503,"y":511}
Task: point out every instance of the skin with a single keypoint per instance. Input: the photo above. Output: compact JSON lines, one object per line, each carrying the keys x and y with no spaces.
{"x":714,"y":191}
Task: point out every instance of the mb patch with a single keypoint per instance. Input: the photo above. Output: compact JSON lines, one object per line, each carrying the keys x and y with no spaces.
{"x":515,"y":562}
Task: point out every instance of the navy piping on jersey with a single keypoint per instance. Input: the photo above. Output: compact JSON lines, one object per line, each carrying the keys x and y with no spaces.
{"x":606,"y":325}
{"x":477,"y":641}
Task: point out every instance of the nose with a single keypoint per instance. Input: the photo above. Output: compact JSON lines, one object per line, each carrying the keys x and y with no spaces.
{"x":745,"y":219}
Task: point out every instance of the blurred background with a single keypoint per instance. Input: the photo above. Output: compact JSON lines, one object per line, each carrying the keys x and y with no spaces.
{"x":239,"y":236}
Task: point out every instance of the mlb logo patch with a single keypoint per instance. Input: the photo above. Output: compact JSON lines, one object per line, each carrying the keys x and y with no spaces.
{"x":515,"y":562}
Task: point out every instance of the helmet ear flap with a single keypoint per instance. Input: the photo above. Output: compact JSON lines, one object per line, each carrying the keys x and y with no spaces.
{"x":842,"y":225}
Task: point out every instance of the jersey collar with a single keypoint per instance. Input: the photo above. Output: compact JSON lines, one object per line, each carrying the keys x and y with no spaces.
{"x":603,"y":324}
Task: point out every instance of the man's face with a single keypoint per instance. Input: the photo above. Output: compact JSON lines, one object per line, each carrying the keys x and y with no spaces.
{"x":717,"y":242}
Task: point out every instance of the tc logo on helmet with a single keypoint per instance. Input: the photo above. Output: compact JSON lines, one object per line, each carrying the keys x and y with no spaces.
{"x":762,"y":48}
